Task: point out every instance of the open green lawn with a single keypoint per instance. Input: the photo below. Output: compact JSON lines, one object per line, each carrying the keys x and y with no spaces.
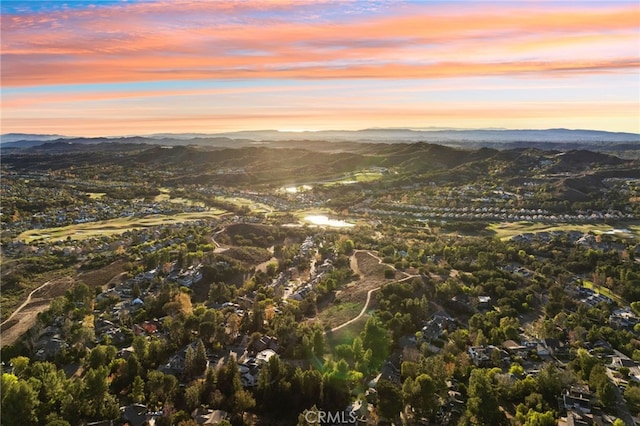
{"x":604,"y":291}
{"x":346,"y":334}
{"x":365,"y":176}
{"x":165,"y":196}
{"x":338,"y":313}
{"x":506,"y":230}
{"x":83,"y":231}
{"x":253,"y":205}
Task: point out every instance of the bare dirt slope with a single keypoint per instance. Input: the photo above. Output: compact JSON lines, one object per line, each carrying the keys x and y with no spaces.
{"x":37,"y":301}
{"x":25,"y":316}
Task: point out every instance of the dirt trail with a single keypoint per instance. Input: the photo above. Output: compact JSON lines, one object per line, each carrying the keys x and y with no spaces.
{"x":25,"y":303}
{"x":25,"y":316}
{"x":362,"y":312}
{"x":368,"y":277}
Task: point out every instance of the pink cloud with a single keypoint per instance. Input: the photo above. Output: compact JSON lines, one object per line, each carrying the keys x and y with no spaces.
{"x":153,"y":41}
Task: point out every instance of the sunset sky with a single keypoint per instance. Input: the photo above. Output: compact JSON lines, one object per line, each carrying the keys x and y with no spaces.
{"x":107,"y":68}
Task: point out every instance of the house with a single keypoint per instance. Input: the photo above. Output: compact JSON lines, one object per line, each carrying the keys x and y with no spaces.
{"x":431,"y":331}
{"x":185,"y":280}
{"x":484,"y":302}
{"x":485,"y":356}
{"x":623,"y":319}
{"x":554,"y":346}
{"x":176,"y":364}
{"x":619,"y":360}
{"x":147,"y":328}
{"x":480,"y":356}
{"x":576,"y":419}
{"x":577,"y":399}
{"x":266,"y":342}
{"x":101,"y":326}
{"x":359,"y":410}
{"x":48,"y":348}
{"x":327,"y":266}
{"x":205,"y":416}
{"x":542,"y":350}
{"x":139,"y":415}
{"x":460,"y":303}
{"x":263,"y":357}
{"x":247,"y":376}
{"x":515,"y":348}
{"x":390,"y":370}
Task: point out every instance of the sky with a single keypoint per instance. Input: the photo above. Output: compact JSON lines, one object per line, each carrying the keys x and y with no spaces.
{"x":112,"y":68}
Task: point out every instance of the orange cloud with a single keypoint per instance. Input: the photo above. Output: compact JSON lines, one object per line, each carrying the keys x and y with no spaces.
{"x":154,"y":41}
{"x":480,"y":114}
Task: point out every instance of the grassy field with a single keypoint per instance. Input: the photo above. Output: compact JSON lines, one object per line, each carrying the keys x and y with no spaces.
{"x":506,"y":230}
{"x":603,"y":291}
{"x":165,"y":196}
{"x":339,"y":313}
{"x":254,"y":206}
{"x":83,"y":231}
{"x":366,"y":176}
{"x":347,"y":334}
{"x":10,"y":300}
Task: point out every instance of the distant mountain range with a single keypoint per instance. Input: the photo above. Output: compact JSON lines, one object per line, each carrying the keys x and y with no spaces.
{"x":436,"y":135}
{"x":15,"y":137}
{"x":495,"y":138}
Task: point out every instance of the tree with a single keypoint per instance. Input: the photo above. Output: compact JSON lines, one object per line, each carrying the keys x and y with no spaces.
{"x":20,"y":366}
{"x":516,"y":370}
{"x":551,"y":381}
{"x":98,"y":356}
{"x":335,"y":385}
{"x":376,"y":338}
{"x":345,"y":246}
{"x":189,"y":362}
{"x":632,"y":395}
{"x":192,"y":395}
{"x":130,"y":370}
{"x":160,"y":387}
{"x":200,"y":358}
{"x":97,"y":390}
{"x":137,"y":390}
{"x":585,"y":362}
{"x":140,"y":347}
{"x":60,"y":422}
{"x":389,"y":400}
{"x":420,"y":394}
{"x":535,"y":418}
{"x":74,"y":405}
{"x":228,"y":382}
{"x":242,"y":401}
{"x":309,"y":417}
{"x":318,"y":343}
{"x":311,"y":387}
{"x":482,"y":405}
{"x":19,"y":402}
{"x":51,"y":385}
